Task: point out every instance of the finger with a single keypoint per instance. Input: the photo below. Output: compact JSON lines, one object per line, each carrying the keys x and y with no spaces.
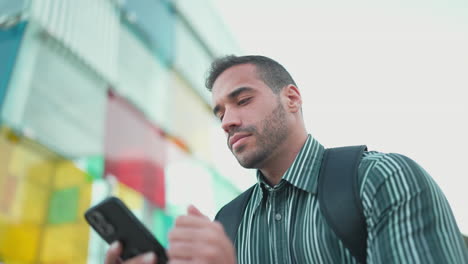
{"x":191,"y":221}
{"x":192,"y":210}
{"x":147,"y":258}
{"x":180,"y":261}
{"x":113,"y":253}
{"x":208,"y":233}
{"x":182,"y":234}
{"x":181,"y":250}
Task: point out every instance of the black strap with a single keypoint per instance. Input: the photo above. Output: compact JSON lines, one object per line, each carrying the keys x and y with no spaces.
{"x":339,"y":198}
{"x":231,"y":214}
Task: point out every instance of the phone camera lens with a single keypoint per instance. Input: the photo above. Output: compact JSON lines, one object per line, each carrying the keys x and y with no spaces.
{"x":96,"y":217}
{"x":108,"y":230}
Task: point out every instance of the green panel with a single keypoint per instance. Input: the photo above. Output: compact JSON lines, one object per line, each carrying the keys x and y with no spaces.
{"x":162,"y":223}
{"x":64,"y":206}
{"x":95,"y":167}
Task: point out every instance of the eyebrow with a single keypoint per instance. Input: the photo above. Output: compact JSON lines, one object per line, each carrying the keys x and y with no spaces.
{"x":233,"y":95}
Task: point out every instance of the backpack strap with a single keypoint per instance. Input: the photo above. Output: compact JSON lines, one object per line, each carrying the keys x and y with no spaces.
{"x":339,"y":198}
{"x":231,"y":214}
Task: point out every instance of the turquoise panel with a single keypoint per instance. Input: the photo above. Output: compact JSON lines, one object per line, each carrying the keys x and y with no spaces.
{"x":155,"y":21}
{"x":10,"y":40}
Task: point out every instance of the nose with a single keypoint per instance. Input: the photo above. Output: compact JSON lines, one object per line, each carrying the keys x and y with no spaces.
{"x":230,"y":120}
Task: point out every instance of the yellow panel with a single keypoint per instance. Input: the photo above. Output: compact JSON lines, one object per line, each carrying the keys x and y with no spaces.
{"x":85,"y":200}
{"x":3,"y":229}
{"x":23,"y":201}
{"x":22,"y":158}
{"x":5,"y":153}
{"x":33,"y":163}
{"x":68,"y":175}
{"x":130,"y":197}
{"x":41,"y":173}
{"x":65,"y":244}
{"x":7,"y":183}
{"x":31,"y":203}
{"x":19,"y":243}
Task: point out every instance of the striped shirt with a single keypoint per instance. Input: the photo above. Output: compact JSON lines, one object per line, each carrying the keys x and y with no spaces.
{"x":408,"y":218}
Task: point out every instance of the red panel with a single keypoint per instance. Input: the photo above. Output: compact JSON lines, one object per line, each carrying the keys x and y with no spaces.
{"x":135,"y":150}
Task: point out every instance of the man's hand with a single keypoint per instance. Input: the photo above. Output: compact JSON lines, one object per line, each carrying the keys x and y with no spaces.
{"x":113,"y":256}
{"x":196,"y":239}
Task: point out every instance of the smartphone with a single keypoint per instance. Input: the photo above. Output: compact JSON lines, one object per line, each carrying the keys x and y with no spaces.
{"x":112,"y":220}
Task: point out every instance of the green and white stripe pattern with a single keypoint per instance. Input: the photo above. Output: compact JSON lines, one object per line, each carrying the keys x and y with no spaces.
{"x":408,"y":218}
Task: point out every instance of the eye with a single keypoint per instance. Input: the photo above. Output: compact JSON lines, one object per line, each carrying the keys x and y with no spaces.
{"x":244,"y":101}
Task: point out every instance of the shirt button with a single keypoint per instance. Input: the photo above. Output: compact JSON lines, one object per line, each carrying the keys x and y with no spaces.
{"x":278,"y":217}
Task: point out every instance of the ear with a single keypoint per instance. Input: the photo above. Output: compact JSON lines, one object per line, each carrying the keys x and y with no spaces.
{"x":293,"y":98}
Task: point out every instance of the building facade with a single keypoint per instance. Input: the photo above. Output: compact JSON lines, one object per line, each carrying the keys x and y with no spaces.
{"x":106,"y":98}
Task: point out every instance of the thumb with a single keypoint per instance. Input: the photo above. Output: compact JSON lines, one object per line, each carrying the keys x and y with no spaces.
{"x":192,"y":210}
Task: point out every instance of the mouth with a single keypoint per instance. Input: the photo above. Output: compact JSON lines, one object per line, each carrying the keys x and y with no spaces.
{"x":236,"y":140}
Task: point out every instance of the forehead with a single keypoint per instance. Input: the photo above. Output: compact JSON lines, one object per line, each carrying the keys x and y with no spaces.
{"x":244,"y":75}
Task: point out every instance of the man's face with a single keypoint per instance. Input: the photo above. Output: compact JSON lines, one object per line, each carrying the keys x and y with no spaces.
{"x":251,"y":115}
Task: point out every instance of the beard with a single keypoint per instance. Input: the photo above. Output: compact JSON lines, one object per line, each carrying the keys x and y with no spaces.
{"x":273,"y":132}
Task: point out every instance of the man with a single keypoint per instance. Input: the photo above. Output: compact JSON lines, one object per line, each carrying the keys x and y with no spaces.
{"x":259,"y":105}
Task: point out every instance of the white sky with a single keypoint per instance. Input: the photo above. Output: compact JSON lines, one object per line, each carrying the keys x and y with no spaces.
{"x":389,"y":74}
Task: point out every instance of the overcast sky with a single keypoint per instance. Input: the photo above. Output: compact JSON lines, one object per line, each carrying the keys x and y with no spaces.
{"x":389,"y":74}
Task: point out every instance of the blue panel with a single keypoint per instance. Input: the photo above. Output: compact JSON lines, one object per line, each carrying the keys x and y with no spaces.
{"x":11,"y":7}
{"x":10,"y":40}
{"x":156,"y":21}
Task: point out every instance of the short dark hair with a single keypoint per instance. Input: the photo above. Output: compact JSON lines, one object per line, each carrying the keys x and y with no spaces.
{"x":270,"y":71}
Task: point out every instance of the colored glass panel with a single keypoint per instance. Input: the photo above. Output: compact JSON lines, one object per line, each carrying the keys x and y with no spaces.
{"x":162,"y":223}
{"x":95,"y":167}
{"x":135,"y":150}
{"x":156,"y":21}
{"x":192,"y":130}
{"x":8,"y":187}
{"x":80,"y":95}
{"x":31,"y":202}
{"x":88,"y":28}
{"x":19,"y":242}
{"x":65,"y":244}
{"x":68,"y":175}
{"x":10,"y":40}
{"x":31,"y":163}
{"x":143,"y":79}
{"x":131,"y":198}
{"x":11,"y":8}
{"x":64,"y":206}
{"x":27,"y":182}
{"x":192,"y":60}
{"x":84,"y":201}
{"x":7,"y":182}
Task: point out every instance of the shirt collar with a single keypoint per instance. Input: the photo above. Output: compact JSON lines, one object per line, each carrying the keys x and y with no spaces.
{"x":304,"y":171}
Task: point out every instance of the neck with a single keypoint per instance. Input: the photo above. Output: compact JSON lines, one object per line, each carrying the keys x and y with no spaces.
{"x":282,"y":158}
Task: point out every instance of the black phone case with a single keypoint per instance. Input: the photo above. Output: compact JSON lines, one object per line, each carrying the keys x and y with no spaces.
{"x":112,"y":220}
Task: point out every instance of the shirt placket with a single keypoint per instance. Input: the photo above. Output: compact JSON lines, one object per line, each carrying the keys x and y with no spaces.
{"x":277,"y":217}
